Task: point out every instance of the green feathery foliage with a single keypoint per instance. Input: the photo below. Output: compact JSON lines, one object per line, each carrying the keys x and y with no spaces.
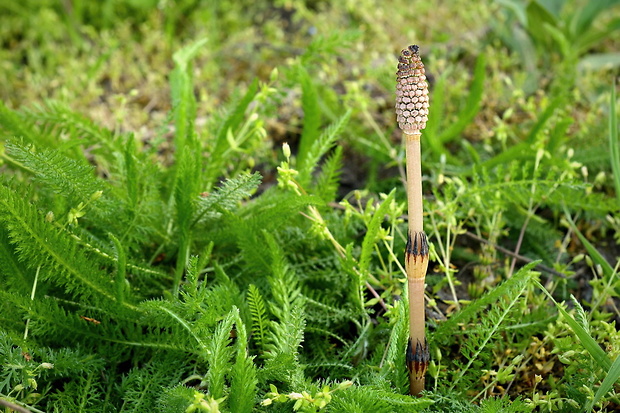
{"x":17,"y":278}
{"x":178,"y":398}
{"x":41,"y":244}
{"x":312,"y":114}
{"x":227,"y":197}
{"x":56,"y":119}
{"x":499,"y":307}
{"x":393,"y":365}
{"x":511,"y":289}
{"x":319,"y":147}
{"x":72,"y":180}
{"x":141,"y":386}
{"x":243,"y":380}
{"x":179,"y":268}
{"x":614,"y":144}
{"x":260,"y":322}
{"x":219,"y":356}
{"x":329,"y":178}
{"x":373,"y":230}
{"x":436,"y":135}
{"x":287,"y":330}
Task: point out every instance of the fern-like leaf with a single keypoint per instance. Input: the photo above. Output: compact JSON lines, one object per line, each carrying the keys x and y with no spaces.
{"x":362,"y":399}
{"x":40,"y":244}
{"x":141,"y":387}
{"x":320,"y":147}
{"x":177,"y":399}
{"x":220,"y":355}
{"x":83,"y":394}
{"x":508,"y":288}
{"x":56,"y":118}
{"x":228,"y":195}
{"x":243,"y":381}
{"x":258,"y":311}
{"x":12,"y":274}
{"x":287,"y":333}
{"x":74,"y":181}
{"x":394,"y":366}
{"x":329,"y":178}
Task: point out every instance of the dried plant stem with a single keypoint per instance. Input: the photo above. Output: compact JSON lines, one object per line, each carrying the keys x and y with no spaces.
{"x":416,"y":264}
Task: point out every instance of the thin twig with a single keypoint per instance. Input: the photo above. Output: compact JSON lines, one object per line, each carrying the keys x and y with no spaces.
{"x":530,"y":212}
{"x":14,"y":407}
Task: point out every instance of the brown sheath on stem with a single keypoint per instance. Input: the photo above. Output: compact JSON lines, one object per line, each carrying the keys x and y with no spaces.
{"x":412,"y":114}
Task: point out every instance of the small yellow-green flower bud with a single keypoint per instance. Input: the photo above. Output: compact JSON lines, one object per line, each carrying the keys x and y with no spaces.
{"x":96,"y":196}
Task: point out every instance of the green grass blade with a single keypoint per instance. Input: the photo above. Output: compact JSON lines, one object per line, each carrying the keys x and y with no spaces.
{"x":472,"y":105}
{"x":219,"y":146}
{"x":614,"y":146}
{"x":596,"y":256}
{"x":597,"y":353}
{"x":435,"y":116}
{"x":582,"y":20}
{"x":610,"y":379}
{"x":541,"y":123}
{"x":312,"y":114}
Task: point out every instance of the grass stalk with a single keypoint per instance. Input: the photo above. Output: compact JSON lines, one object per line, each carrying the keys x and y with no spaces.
{"x":412,"y":114}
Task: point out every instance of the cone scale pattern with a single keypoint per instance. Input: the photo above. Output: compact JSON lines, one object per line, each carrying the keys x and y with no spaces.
{"x":411,"y":92}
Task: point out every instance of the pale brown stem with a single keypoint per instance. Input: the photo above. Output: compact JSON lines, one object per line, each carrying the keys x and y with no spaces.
{"x":416,"y":264}
{"x":414,"y":181}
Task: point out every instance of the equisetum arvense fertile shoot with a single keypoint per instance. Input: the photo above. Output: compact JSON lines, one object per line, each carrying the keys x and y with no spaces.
{"x":412,"y":114}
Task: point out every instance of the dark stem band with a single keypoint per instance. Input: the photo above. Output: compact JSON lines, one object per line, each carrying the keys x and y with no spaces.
{"x":417,"y":245}
{"x":417,"y":361}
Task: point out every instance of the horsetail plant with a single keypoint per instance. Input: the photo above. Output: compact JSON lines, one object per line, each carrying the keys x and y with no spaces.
{"x":412,"y":114}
